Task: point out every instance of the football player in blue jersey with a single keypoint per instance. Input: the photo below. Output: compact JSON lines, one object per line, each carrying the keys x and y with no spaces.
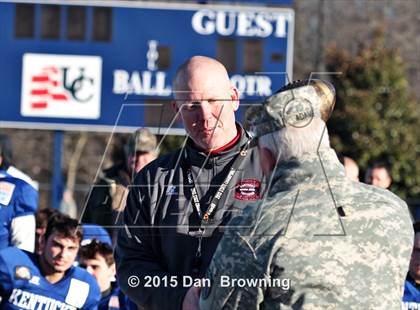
{"x":18,"y":204}
{"x":48,"y":280}
{"x":98,"y":259}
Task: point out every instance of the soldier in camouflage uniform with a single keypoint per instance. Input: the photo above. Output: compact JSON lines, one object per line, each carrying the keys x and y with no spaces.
{"x":318,"y":240}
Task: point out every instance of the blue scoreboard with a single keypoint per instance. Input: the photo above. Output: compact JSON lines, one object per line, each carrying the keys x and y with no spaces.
{"x":70,"y":65}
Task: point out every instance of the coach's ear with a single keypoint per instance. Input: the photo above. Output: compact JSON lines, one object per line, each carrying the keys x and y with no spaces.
{"x":234,"y":96}
{"x":267,"y":160}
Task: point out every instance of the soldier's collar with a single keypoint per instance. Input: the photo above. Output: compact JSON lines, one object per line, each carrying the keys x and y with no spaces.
{"x":310,"y":167}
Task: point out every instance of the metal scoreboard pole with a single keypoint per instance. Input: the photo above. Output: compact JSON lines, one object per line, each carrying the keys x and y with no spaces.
{"x":57,"y":179}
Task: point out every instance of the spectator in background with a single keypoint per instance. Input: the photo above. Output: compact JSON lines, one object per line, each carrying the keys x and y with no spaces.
{"x":48,"y":279}
{"x":6,"y":162}
{"x":350,"y":167}
{"x":141,"y":150}
{"x":98,"y":259}
{"x":95,"y":232}
{"x":378,"y":174}
{"x":41,"y":219}
{"x":108,"y":196}
{"x":411,"y":298}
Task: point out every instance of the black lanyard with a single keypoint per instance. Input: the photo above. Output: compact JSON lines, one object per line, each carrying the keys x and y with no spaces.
{"x":205,"y":219}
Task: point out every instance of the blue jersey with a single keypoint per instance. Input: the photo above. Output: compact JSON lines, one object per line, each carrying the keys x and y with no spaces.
{"x":116,"y":300}
{"x":17,"y":198}
{"x":22,"y":286}
{"x":411,"y":297}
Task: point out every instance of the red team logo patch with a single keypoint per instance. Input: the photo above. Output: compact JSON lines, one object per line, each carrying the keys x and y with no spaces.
{"x":248,"y":189}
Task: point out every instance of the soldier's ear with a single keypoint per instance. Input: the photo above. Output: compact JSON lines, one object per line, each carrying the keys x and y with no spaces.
{"x":267,"y":160}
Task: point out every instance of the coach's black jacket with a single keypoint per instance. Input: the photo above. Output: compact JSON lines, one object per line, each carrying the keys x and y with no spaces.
{"x":161,"y":223}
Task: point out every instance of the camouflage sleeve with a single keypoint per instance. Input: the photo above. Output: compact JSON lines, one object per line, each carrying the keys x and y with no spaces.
{"x":234,"y":273}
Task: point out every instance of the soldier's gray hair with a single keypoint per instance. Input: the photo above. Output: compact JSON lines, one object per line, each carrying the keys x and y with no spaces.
{"x":294,"y":141}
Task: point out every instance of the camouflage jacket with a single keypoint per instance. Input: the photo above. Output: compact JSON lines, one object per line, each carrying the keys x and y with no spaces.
{"x":318,"y":241}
